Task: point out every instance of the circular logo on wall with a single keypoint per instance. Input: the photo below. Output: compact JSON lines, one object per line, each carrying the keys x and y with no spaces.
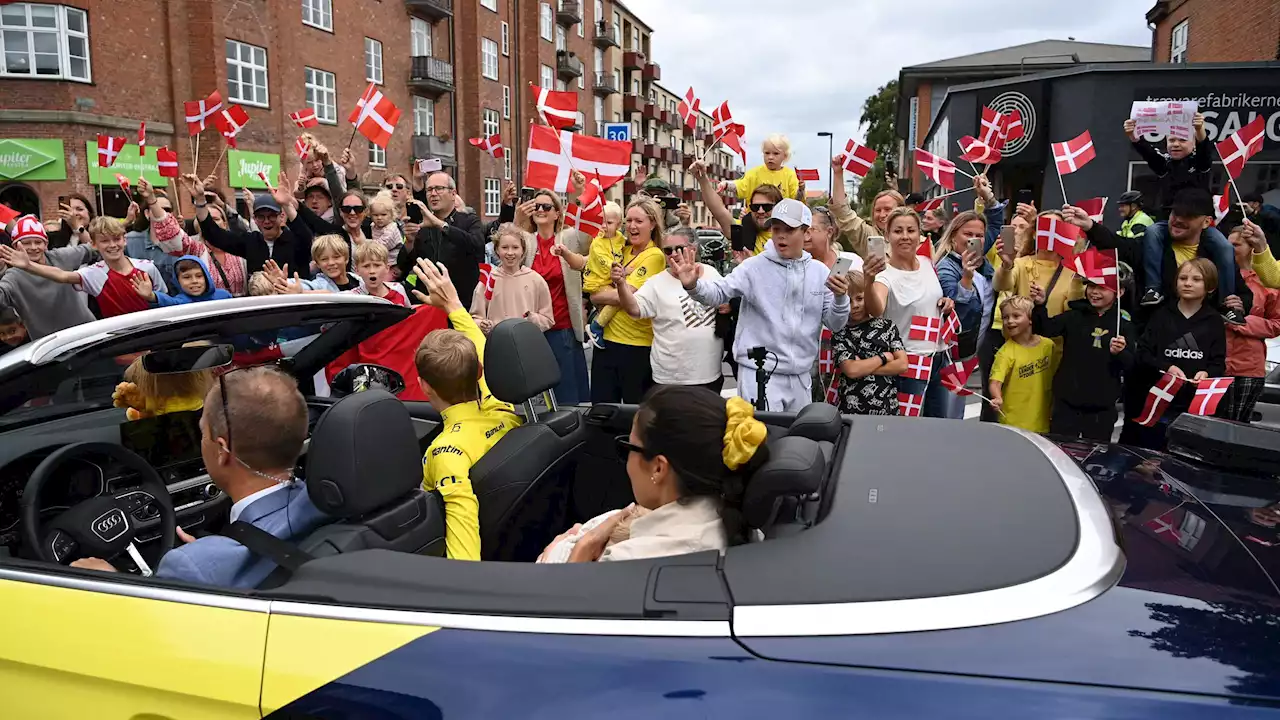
{"x":1007,"y":103}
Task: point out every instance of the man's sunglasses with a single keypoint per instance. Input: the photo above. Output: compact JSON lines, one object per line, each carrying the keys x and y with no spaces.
{"x":673,"y":249}
{"x":352,"y":209}
{"x":762,"y":207}
{"x":544,"y":207}
{"x":394,"y":186}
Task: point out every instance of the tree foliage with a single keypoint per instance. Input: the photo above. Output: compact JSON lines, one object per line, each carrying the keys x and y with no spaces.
{"x":879,"y":114}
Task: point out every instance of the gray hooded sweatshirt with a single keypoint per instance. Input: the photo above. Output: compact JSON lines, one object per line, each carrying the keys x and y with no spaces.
{"x":785,"y":304}
{"x":46,"y":306}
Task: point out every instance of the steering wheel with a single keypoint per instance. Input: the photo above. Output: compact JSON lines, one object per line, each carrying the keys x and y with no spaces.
{"x":101,"y":527}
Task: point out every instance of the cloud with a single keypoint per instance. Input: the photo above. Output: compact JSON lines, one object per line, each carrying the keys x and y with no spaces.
{"x":803,"y":66}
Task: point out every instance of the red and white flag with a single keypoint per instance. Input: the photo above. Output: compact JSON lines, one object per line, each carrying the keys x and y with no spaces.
{"x":858,"y":159}
{"x":230,"y":121}
{"x":304,"y":118}
{"x":1236,"y":150}
{"x":491,"y":145}
{"x":928,"y":329}
{"x":976,"y":151}
{"x":722,"y":123}
{"x":826,"y":356}
{"x":142,"y":139}
{"x":265,"y":180}
{"x":375,"y":116}
{"x":167,"y":162}
{"x":808,"y":175}
{"x":919,"y":367}
{"x":1073,"y":154}
{"x":689,"y":108}
{"x":558,"y":108}
{"x":109,"y":149}
{"x":588,"y":214}
{"x":928,"y":205}
{"x":1095,"y":207}
{"x":951,"y":329}
{"x":486,"y":277}
{"x":198,"y":112}
{"x":1012,"y":127}
{"x":910,"y":405}
{"x":1163,"y":529}
{"x":954,"y":376}
{"x":1098,"y":267}
{"x":1209,"y":392}
{"x":1158,"y":399}
{"x":733,"y":141}
{"x":8,"y":215}
{"x":123,"y":182}
{"x":1221,"y":206}
{"x":938,"y":169}
{"x":550,"y":152}
{"x":992,"y":132}
{"x":302,"y":148}
{"x":1056,"y":235}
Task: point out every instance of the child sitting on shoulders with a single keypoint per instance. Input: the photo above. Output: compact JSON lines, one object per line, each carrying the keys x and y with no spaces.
{"x":385,"y":229}
{"x":868,"y":354}
{"x":777,"y":152}
{"x":373,"y":267}
{"x":518,"y":291}
{"x":1021,"y":380}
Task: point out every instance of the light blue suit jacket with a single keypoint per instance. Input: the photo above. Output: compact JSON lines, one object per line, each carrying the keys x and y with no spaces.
{"x":216,"y":560}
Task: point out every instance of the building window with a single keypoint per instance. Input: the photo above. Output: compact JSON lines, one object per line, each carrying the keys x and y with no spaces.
{"x":599,"y":108}
{"x":506,"y":39}
{"x":489,"y":58}
{"x":617,"y":81}
{"x":46,"y":41}
{"x":373,"y":61}
{"x":419,"y":38}
{"x":582,"y":81}
{"x":492,"y":197}
{"x":1178,"y":42}
{"x":506,"y":102}
{"x":489,"y":122}
{"x":598,"y":55}
{"x":561,"y":86}
{"x":489,"y":5}
{"x":560,"y":41}
{"x":506,"y":162}
{"x":424,"y":116}
{"x":377,"y":156}
{"x":547,"y":78}
{"x":546,"y":22}
{"x":318,"y":14}
{"x":322,"y":95}
{"x":247,"y":74}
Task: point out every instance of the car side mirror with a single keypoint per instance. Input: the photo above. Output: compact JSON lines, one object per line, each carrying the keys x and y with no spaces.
{"x":366,"y":376}
{"x":192,"y":358}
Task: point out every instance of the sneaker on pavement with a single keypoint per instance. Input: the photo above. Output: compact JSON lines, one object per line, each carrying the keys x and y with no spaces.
{"x":1235,"y":317}
{"x":1152,"y":297}
{"x":595,"y":335}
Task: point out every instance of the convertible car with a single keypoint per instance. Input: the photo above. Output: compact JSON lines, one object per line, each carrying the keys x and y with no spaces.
{"x":901,"y":568}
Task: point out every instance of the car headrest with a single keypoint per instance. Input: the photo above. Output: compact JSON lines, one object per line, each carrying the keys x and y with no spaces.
{"x":819,"y":421}
{"x":363,"y":455}
{"x":795,"y":467}
{"x":518,"y":362}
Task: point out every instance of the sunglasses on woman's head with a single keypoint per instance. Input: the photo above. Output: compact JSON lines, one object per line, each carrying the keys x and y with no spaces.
{"x":762,"y":207}
{"x":544,"y":207}
{"x":352,"y":209}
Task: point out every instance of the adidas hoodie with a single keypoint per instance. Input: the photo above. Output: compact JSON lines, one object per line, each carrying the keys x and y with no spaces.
{"x":1193,"y":343}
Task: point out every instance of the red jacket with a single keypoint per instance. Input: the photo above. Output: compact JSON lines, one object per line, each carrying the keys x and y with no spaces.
{"x":1247,"y":344}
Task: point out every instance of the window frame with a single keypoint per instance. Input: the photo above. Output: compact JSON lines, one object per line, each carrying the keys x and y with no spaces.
{"x":374,"y":154}
{"x":546,"y":22}
{"x":506,"y":102}
{"x":485,"y":44}
{"x":545,"y":73}
{"x":266,"y":74}
{"x":492,"y":196}
{"x":490,"y":122}
{"x":506,"y":161}
{"x":489,"y":5}
{"x":63,"y":33}
{"x":506,"y":39}
{"x":415,"y":24}
{"x":1178,"y":52}
{"x":326,"y":115}
{"x":307,"y":9}
{"x":428,"y":110}
{"x":371,"y":44}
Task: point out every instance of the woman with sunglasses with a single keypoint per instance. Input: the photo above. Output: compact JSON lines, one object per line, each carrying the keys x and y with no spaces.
{"x":854,"y":231}
{"x":688,"y":456}
{"x":351,"y":222}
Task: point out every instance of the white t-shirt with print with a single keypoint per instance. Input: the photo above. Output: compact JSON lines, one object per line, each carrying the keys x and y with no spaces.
{"x":685,"y":350}
{"x":911,"y":293}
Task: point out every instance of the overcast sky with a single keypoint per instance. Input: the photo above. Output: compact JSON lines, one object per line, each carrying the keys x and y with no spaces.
{"x":804,"y":66}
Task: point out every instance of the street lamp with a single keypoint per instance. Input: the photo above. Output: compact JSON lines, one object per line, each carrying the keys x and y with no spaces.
{"x":831,"y":151}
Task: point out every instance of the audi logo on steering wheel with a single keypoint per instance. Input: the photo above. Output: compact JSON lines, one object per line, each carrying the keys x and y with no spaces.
{"x":110,"y":525}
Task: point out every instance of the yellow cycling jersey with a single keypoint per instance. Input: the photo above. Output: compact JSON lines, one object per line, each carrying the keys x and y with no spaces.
{"x":623,"y":328}
{"x":469,"y":430}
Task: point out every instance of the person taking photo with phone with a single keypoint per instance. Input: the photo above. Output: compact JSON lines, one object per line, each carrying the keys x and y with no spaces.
{"x":445,"y":235}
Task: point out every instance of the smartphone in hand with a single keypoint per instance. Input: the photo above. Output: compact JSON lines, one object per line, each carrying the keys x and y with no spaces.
{"x":875,"y":246}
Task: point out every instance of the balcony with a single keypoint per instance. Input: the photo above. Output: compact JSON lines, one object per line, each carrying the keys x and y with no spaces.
{"x":568,"y":66}
{"x":604,"y":84}
{"x":607,"y":35}
{"x":637,"y":147}
{"x":569,"y":13}
{"x":632,"y":103}
{"x":630,"y":187}
{"x":632,"y":60}
{"x":431,"y":76}
{"x":687,"y":160}
{"x":431,"y":146}
{"x":699,"y":134}
{"x":652,"y":72}
{"x":668,"y":119}
{"x":688,"y":195}
{"x":433,"y":10}
{"x":650,"y":151}
{"x":650,"y":111}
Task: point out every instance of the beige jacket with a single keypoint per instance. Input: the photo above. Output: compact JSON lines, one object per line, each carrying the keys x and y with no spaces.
{"x":854,"y":231}
{"x":580,"y":243}
{"x":677,"y":528}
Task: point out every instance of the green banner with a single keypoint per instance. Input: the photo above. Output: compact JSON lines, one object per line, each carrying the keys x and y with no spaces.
{"x":24,"y":159}
{"x":243,"y":168}
{"x":127,"y":163}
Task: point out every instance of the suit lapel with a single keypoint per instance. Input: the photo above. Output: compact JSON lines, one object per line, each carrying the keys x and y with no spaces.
{"x":272,"y":503}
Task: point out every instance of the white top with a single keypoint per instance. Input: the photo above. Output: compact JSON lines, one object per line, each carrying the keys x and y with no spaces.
{"x":248,"y":500}
{"x":685,"y":349}
{"x":911,"y":293}
{"x":677,"y":528}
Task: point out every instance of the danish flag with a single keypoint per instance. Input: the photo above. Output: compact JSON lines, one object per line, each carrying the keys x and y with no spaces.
{"x":976,"y":151}
{"x":1056,"y":235}
{"x":939,"y":169}
{"x":827,"y":366}
{"x":142,"y":139}
{"x":723,"y":124}
{"x":992,"y":133}
{"x":928,"y":205}
{"x":1160,"y":526}
{"x":198,"y":112}
{"x":919,"y":367}
{"x":1093,"y":207}
{"x":808,"y":175}
{"x":559,"y":109}
{"x":1242,"y":145}
{"x":491,"y":145}
{"x":858,"y":159}
{"x":123,"y":182}
{"x":1073,"y":154}
{"x":265,"y":180}
{"x":689,"y":108}
{"x":1012,"y":128}
{"x":733,"y":141}
{"x":167,"y":162}
{"x":553,"y":155}
{"x":230,"y":122}
{"x":8,"y":215}
{"x":301,"y":147}
{"x":304,"y":118}
{"x":1221,"y":206}
{"x":910,"y":405}
{"x":1098,"y":267}
{"x":1161,"y":394}
{"x":950,"y":330}
{"x":928,"y":329}
{"x":588,"y":214}
{"x":109,"y":149}
{"x":1209,"y":392}
{"x":375,"y":116}
{"x":954,"y":376}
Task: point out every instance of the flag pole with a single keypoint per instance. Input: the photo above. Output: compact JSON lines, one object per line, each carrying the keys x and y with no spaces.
{"x":352,"y":138}
{"x":224,"y":154}
{"x":972,"y":167}
{"x":1062,"y":186}
{"x":1231,"y":180}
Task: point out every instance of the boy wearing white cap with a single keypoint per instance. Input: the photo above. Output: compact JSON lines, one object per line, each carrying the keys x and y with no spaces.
{"x":787,"y":298}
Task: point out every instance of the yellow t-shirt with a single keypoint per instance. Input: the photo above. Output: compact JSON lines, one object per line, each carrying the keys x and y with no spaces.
{"x":469,"y":430}
{"x":1026,"y":374}
{"x":1069,"y":287}
{"x":784,"y":178}
{"x":1183,"y":253}
{"x":621,"y":327}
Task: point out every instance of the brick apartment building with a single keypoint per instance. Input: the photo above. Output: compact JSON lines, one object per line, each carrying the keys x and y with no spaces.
{"x":1195,"y":31}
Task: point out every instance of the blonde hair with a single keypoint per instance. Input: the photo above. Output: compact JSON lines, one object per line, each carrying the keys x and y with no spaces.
{"x":555,"y":202}
{"x":259,"y":284}
{"x":510,"y":229}
{"x":779,"y":142}
{"x":1021,"y":303}
{"x":372,"y":252}
{"x":448,"y":361}
{"x":1208,"y":271}
{"x":901,"y":211}
{"x":330,"y":244}
{"x":946,"y":245}
{"x":614,"y":209}
{"x":857,"y":282}
{"x":656,"y":216}
{"x":773,"y":192}
{"x":384,"y":201}
{"x":103,"y":225}
{"x":164,"y":386}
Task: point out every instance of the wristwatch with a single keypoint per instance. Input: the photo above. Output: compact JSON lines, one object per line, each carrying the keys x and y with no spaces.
{"x":883,"y":361}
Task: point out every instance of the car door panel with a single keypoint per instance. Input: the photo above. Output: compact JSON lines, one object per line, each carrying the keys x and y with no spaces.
{"x":77,"y":653}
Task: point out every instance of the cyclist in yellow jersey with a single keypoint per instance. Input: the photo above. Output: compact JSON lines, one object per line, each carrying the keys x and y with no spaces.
{"x":451,"y":373}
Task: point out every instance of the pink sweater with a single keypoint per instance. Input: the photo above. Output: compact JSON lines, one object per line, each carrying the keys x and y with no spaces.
{"x":523,"y":294}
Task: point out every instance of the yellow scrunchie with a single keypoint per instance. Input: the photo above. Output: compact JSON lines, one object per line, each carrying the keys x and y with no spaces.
{"x":743,"y":433}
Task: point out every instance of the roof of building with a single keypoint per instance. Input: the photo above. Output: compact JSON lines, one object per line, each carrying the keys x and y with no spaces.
{"x":1043,"y":52}
{"x":630,"y":13}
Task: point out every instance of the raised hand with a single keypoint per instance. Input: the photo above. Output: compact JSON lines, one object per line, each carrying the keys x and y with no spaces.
{"x":838,"y":284}
{"x":684,"y":214}
{"x":1253,"y":235}
{"x":1131,"y":129}
{"x":132,"y":215}
{"x":284,"y":286}
{"x":971,"y":260}
{"x":524,"y":214}
{"x":281,"y":191}
{"x":70,"y":218}
{"x":142,"y":285}
{"x":1198,"y":123}
{"x":698,"y":168}
{"x":685,"y":270}
{"x":145,"y":191}
{"x":509,"y":193}
{"x":1077,"y":217}
{"x":14,"y":257}
{"x":195,"y":187}
{"x":274,"y":272}
{"x":837,"y":163}
{"x":348,"y":163}
{"x":872,"y":266}
{"x":441,"y":292}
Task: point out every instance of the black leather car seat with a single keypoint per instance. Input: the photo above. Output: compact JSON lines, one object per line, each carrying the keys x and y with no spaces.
{"x":777,"y":491}
{"x":523,"y":482}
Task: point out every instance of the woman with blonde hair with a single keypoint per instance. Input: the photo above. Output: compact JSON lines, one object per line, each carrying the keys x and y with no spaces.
{"x":959,"y":262}
{"x":854,"y":231}
{"x":1042,"y":267}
